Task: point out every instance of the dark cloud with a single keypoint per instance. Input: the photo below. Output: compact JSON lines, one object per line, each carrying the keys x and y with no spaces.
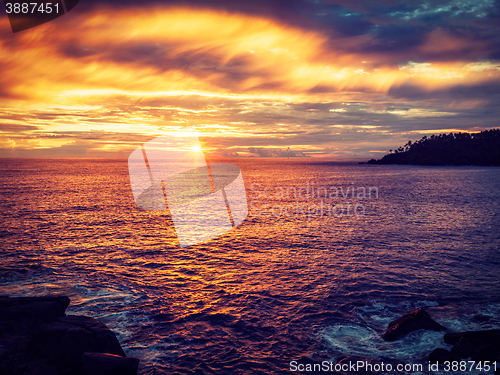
{"x":269,"y":153}
{"x":485,"y":91}
{"x":398,"y":38}
{"x":395,"y":25}
{"x":164,"y":57}
{"x":73,"y":50}
{"x":321,"y":89}
{"x":15,"y":128}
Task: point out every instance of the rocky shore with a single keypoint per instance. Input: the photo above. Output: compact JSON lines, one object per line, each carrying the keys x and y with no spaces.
{"x":38,"y":338}
{"x":482,"y":347}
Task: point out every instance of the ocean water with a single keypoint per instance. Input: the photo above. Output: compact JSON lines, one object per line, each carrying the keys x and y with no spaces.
{"x":314,"y":271}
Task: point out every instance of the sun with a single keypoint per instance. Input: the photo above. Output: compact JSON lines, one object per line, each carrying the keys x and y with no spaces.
{"x":196,"y":148}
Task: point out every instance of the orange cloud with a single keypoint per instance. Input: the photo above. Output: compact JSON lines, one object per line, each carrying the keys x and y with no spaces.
{"x":139,"y":71}
{"x":175,"y":49}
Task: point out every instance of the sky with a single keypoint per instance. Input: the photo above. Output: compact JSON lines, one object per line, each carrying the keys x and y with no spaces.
{"x":319,"y":78}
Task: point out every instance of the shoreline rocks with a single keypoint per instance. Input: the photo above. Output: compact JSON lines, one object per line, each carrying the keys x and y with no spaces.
{"x":413,"y":321}
{"x":37,"y":338}
{"x":482,"y":347}
{"x":478,"y":346}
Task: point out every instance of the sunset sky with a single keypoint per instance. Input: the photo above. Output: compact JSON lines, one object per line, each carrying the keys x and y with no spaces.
{"x":321,"y":78}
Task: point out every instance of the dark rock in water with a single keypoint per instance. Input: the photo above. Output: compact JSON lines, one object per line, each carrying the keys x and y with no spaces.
{"x":76,"y":341}
{"x":413,"y":321}
{"x":441,"y":355}
{"x":487,"y":353}
{"x":6,"y":347}
{"x":36,"y":338}
{"x":105,"y":340}
{"x":477,"y":345}
{"x":9,"y":302}
{"x":25,"y":312}
{"x":464,"y":348}
{"x":491,"y":336}
{"x":108,"y":364}
{"x":52,"y":333}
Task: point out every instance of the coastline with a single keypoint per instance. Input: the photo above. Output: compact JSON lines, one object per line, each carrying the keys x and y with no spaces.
{"x":37,"y":337}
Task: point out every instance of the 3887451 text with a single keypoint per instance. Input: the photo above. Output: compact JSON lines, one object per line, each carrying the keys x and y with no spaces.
{"x":32,"y":8}
{"x":357,"y":366}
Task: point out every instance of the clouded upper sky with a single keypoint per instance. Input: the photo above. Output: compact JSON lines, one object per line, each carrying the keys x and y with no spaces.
{"x":330,"y":78}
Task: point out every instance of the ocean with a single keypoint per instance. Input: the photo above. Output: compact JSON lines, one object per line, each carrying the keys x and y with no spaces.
{"x":329,"y":254}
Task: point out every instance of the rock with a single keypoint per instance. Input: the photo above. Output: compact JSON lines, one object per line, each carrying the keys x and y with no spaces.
{"x":51,"y":333}
{"x":23,"y":313}
{"x":7,"y":302}
{"x":477,"y":337}
{"x":66,"y":339}
{"x":108,"y":364}
{"x":47,"y":308}
{"x":477,"y":345}
{"x":21,"y":319}
{"x":487,"y":353}
{"x":441,"y":355}
{"x":37,"y":339}
{"x":106,"y":341}
{"x":6,"y":346}
{"x":464,"y":348}
{"x":413,"y":321}
{"x":76,"y":341}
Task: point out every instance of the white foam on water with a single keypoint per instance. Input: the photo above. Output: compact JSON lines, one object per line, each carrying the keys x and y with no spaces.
{"x":352,"y":339}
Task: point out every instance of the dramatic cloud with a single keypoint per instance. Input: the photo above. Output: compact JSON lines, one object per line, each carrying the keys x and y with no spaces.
{"x":274,"y":78}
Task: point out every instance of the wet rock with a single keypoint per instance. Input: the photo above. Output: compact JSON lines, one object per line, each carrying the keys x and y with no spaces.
{"x":23,"y":313}
{"x":51,"y":333}
{"x":76,"y":341}
{"x":477,"y":345}
{"x":464,"y":348}
{"x":106,"y":341}
{"x":413,"y":321}
{"x":108,"y":364}
{"x":491,"y":336}
{"x":6,"y":346}
{"x":441,"y":355}
{"x":487,"y":353}
{"x":44,"y":308}
{"x":36,"y":338}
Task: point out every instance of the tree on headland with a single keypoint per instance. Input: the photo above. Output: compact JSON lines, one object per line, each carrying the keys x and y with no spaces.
{"x":448,"y":149}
